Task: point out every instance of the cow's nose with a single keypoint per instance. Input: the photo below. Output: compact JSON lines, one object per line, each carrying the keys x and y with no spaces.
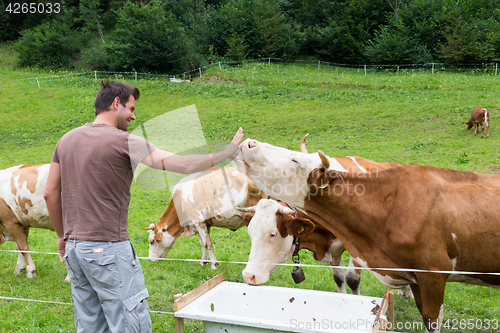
{"x":252,"y":144}
{"x":249,"y":278}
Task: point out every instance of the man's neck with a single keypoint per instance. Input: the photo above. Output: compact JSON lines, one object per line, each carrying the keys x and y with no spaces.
{"x":105,"y":117}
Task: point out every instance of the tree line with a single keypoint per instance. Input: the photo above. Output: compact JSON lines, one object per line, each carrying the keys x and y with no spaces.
{"x":170,"y":36}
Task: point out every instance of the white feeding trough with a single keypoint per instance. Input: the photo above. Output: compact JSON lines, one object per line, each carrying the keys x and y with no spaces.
{"x":238,"y":307}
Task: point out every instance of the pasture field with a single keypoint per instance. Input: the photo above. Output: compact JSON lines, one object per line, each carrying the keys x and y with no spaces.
{"x":403,"y":116}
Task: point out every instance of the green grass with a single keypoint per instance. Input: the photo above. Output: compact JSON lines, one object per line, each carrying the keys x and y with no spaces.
{"x":409,"y":117}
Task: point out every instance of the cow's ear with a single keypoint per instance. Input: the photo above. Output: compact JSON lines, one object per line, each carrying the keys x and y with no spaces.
{"x":300,"y":227}
{"x":321,"y":178}
{"x":158,"y":237}
{"x":247,"y":218}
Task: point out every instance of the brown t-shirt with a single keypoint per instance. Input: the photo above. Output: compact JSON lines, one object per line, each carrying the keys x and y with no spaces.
{"x":97,"y":163}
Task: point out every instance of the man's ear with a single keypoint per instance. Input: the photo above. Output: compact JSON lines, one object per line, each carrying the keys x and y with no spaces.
{"x":247,"y":218}
{"x":300,"y":227}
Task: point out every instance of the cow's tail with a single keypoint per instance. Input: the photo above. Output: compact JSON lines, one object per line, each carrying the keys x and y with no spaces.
{"x":486,"y":117}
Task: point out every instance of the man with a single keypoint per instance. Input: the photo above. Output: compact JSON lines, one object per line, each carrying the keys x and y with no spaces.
{"x":88,"y":195}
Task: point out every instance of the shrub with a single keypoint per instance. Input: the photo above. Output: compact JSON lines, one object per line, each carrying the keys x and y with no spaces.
{"x":50,"y":45}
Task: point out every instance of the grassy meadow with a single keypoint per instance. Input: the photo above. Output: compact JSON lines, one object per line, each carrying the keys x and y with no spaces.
{"x":403,"y":116}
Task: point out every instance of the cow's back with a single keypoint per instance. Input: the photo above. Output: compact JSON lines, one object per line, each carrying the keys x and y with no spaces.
{"x":213,"y":197}
{"x":22,"y":188}
{"x":359,"y":164}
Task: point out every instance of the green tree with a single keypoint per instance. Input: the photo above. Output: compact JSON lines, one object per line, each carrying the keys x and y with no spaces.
{"x":395,"y":47}
{"x":343,"y":40}
{"x":146,"y":38}
{"x":470,"y":42}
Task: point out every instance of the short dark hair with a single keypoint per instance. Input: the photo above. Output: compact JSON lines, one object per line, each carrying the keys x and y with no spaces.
{"x":111,"y":89}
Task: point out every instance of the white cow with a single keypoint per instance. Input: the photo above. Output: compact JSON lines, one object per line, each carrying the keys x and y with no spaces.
{"x":199,"y":202}
{"x":22,"y":207}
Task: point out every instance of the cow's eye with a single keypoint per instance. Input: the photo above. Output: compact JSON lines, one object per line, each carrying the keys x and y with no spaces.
{"x":272,"y":235}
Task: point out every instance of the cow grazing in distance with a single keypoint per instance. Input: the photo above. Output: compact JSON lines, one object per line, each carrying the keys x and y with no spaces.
{"x":417,"y":220}
{"x":22,"y":207}
{"x":208,"y":199}
{"x":272,"y":227}
{"x":479,"y":117}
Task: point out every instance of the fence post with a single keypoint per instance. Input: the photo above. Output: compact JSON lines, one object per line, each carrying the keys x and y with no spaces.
{"x":365,"y":70}
{"x":432,"y":68}
{"x":38,"y":82}
{"x":200,"y":71}
{"x":319,"y":63}
{"x":269,"y":61}
{"x":136,"y":76}
{"x":496,"y":68}
{"x":95,"y":75}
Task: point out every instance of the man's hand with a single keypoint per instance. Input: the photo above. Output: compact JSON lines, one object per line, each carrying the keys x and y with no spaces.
{"x":61,"y":248}
{"x":238,"y":137}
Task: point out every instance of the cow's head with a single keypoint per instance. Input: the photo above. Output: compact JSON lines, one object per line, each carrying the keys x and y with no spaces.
{"x":279,"y":172}
{"x":271,"y":228}
{"x":161,"y":241}
{"x":470,"y":123}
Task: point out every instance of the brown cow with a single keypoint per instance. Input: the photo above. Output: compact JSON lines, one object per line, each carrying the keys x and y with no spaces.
{"x":479,"y":117}
{"x":414,"y":218}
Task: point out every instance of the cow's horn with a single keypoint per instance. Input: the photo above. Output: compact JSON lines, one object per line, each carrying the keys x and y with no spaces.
{"x":324,"y":160}
{"x":303,"y":144}
{"x":246,"y":209}
{"x":151,"y":227}
{"x":285,"y":210}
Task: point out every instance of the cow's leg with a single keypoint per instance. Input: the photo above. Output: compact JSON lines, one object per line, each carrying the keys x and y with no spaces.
{"x":204,"y":256}
{"x":13,"y":227}
{"x":210,"y":249}
{"x":429,"y":296}
{"x":338,"y":274}
{"x":482,"y":130}
{"x":24,"y":260}
{"x":488,"y":130}
{"x":353,"y":277}
{"x":475,"y":128}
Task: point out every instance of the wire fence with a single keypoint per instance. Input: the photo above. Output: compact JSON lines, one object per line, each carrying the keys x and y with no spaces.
{"x":38,"y":81}
{"x":10,"y":298}
{"x":489,"y":68}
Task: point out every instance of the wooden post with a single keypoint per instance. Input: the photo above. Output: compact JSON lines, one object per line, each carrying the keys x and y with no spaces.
{"x":382,"y":320}
{"x":391,"y":308}
{"x":179,"y":325}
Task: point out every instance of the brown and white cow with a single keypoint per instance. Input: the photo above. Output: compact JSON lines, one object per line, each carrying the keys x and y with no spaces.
{"x":479,"y":117}
{"x":416,"y":220}
{"x":208,"y":199}
{"x":271,"y":227}
{"x":281,"y":173}
{"x":22,"y":207}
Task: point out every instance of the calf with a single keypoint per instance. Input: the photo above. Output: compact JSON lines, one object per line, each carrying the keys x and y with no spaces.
{"x":271,"y":228}
{"x":22,"y":207}
{"x":479,"y":117}
{"x":209,"y":199}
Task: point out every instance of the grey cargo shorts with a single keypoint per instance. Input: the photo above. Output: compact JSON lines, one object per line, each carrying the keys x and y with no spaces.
{"x":107,"y":284}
